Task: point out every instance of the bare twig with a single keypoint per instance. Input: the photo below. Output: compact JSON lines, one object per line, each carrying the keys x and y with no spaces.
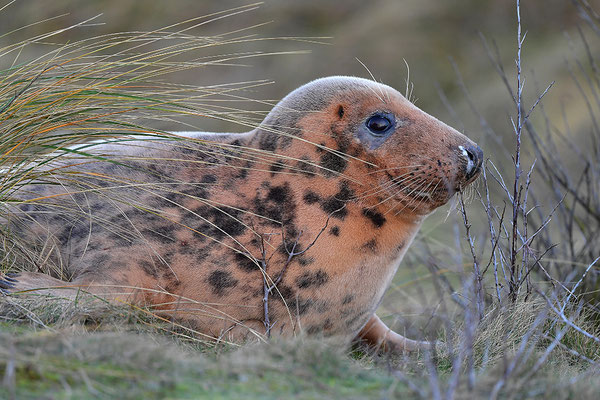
{"x":269,"y":287}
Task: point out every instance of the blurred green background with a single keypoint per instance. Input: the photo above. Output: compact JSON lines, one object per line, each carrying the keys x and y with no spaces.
{"x":428,"y":34}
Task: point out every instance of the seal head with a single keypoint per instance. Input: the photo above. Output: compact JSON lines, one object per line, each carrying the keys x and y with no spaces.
{"x":416,"y":162}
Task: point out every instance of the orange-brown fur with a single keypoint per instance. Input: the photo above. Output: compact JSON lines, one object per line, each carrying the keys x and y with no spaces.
{"x":305,"y":177}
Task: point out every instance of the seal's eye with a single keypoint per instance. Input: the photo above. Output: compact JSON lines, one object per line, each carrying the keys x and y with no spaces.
{"x":378,"y":124}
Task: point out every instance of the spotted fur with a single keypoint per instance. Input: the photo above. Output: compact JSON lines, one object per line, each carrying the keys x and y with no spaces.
{"x":309,"y":199}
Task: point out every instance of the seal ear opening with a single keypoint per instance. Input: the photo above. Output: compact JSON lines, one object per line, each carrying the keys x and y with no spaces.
{"x":340,"y":111}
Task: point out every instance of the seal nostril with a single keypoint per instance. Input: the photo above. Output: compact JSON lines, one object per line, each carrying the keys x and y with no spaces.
{"x":470,"y":155}
{"x":474,"y":156}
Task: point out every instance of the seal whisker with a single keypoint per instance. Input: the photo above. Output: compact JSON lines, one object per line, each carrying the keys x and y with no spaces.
{"x":407,"y":182}
{"x":416,"y":188}
{"x":380,"y":97}
{"x":403,"y":185}
{"x":390,"y":186}
{"x":423,"y":193}
{"x":414,"y":199}
{"x":394,"y":168}
{"x":385,"y":186}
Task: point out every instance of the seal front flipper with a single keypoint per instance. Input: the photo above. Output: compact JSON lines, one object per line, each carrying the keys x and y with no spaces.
{"x":379,"y":336}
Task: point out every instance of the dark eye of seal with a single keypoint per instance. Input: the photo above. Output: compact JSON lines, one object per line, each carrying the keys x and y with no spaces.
{"x":378,"y":124}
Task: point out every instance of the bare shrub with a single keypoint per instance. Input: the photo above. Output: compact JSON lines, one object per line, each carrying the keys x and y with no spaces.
{"x":520,"y":319}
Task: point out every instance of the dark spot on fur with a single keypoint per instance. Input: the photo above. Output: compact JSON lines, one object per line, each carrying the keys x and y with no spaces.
{"x":244,"y":263}
{"x":375,"y":216}
{"x":277,"y":166}
{"x":268,"y":141}
{"x":285,"y":141}
{"x":167,"y":259}
{"x":439,"y":163}
{"x":278,"y":205}
{"x":343,"y":142}
{"x":229,"y":223}
{"x":195,"y":190}
{"x":340,"y":111}
{"x":242,"y":174}
{"x":279,"y":194}
{"x":311,"y":197}
{"x":332,"y":163}
{"x":335,"y":230}
{"x":292,"y":232}
{"x":27,"y":207}
{"x":299,"y":307}
{"x":135,"y":213}
{"x":306,"y":167}
{"x":221,"y":280}
{"x":292,"y":245}
{"x":281,"y":249}
{"x":304,"y":261}
{"x":286,"y":129}
{"x":347,"y":299}
{"x":371,"y":245}
{"x":200,"y":253}
{"x":327,"y":325}
{"x":172,"y":285}
{"x":149,"y":268}
{"x":120,"y":239}
{"x":297,"y":304}
{"x":77,"y":230}
{"x":286,"y":292}
{"x":243,"y":171}
{"x":335,"y":205}
{"x":181,"y":193}
{"x":309,"y":279}
{"x":223,"y":221}
{"x":209,"y":178}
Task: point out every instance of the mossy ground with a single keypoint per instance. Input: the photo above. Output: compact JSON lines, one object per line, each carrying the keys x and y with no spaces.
{"x":126,"y":354}
{"x":39,"y":364}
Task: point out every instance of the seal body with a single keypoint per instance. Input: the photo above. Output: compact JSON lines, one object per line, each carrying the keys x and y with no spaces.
{"x":296,"y":226}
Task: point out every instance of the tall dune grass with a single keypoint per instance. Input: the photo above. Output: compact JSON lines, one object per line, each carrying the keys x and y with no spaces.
{"x":116,"y":88}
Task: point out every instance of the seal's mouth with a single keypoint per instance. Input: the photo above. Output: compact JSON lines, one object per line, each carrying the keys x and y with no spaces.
{"x":427,"y":191}
{"x":417,"y":194}
{"x":432,"y":184}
